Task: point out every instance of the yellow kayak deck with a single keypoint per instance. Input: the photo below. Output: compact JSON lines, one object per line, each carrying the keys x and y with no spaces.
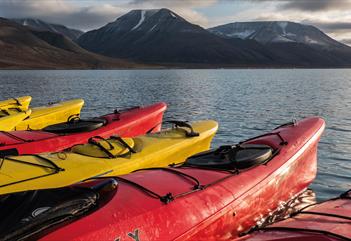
{"x":8,"y":122}
{"x":21,"y":173}
{"x":20,"y":103}
{"x":44,"y":116}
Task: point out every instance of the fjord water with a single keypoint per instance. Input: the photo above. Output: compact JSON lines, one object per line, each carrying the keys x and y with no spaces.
{"x":245,"y":102}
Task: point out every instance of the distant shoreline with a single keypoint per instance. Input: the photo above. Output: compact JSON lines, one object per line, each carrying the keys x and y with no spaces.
{"x":182,"y":68}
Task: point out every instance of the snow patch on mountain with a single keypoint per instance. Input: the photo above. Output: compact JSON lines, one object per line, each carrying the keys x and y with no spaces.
{"x":283,"y":25}
{"x":243,"y":35}
{"x":276,"y":32}
{"x":280,"y":39}
{"x":142,"y":19}
{"x":40,"y":25}
{"x":153,"y":27}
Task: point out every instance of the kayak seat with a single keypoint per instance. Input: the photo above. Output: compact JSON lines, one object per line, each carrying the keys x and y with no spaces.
{"x":105,"y":148}
{"x":76,"y":126}
{"x":232,"y":157}
{"x":25,"y":214}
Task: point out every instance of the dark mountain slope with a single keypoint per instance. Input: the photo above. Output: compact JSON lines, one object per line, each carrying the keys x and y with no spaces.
{"x":291,"y":43}
{"x":21,"y":47}
{"x":40,"y":25}
{"x":162,"y":36}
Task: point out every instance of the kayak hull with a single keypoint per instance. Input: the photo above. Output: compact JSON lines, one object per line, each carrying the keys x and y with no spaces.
{"x":51,"y":114}
{"x":327,"y":221}
{"x":227,"y":205}
{"x":129,"y":123}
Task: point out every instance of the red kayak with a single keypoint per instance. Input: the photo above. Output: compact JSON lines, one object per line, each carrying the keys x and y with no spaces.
{"x":216,"y":195}
{"x":326,"y":221}
{"x":126,"y":123}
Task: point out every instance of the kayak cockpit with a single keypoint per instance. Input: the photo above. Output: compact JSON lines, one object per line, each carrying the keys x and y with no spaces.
{"x":76,"y":126}
{"x":241,"y":156}
{"x":26,"y":214}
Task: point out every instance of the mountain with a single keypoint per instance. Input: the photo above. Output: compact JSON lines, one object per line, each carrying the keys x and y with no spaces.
{"x":291,"y":43}
{"x":38,"y":24}
{"x":162,"y":36}
{"x":275,"y":32}
{"x":23,"y":47}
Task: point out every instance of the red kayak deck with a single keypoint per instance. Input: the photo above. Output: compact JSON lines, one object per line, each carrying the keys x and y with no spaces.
{"x":127,"y":123}
{"x":329,"y":220}
{"x":200,"y":203}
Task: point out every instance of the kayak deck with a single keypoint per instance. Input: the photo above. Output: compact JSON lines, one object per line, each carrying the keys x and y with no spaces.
{"x":21,"y":173}
{"x":51,"y":114}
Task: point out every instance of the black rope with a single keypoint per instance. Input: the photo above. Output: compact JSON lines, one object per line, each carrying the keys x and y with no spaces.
{"x":30,"y":163}
{"x":73,"y":118}
{"x":187,"y":165}
{"x":282,"y":143}
{"x":344,"y":195}
{"x":324,"y":214}
{"x":153,"y":128}
{"x":169,"y":197}
{"x":165,"y":199}
{"x":124,"y":144}
{"x":5,"y":112}
{"x":119,"y":110}
{"x":28,"y":179}
{"x":220,"y":180}
{"x":17,"y":101}
{"x":190,"y":133}
{"x":101,"y":147}
{"x":55,"y":168}
{"x":106,"y":151}
{"x":291,"y":229}
{"x":291,"y":123}
{"x":182,"y":174}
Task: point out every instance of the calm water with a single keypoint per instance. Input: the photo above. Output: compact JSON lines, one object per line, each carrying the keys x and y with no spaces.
{"x":245,"y":103}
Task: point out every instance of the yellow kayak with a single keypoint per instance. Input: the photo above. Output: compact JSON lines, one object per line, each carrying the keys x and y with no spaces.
{"x":107,"y":157}
{"x":8,"y":122}
{"x":51,"y":114}
{"x":20,"y":103}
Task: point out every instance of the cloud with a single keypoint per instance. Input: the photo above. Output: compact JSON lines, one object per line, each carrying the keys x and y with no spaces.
{"x":315,"y":5}
{"x":346,"y":41}
{"x":61,"y":11}
{"x":90,"y":15}
{"x":307,"y":5}
{"x":333,"y":26}
{"x":175,"y":3}
{"x":185,"y":8}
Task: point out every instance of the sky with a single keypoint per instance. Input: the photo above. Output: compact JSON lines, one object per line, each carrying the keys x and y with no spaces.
{"x":331,"y":16}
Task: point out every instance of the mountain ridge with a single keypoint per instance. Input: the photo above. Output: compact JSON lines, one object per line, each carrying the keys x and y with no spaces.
{"x":275,"y":31}
{"x":162,"y":36}
{"x":23,"y":47}
{"x":41,"y":25}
